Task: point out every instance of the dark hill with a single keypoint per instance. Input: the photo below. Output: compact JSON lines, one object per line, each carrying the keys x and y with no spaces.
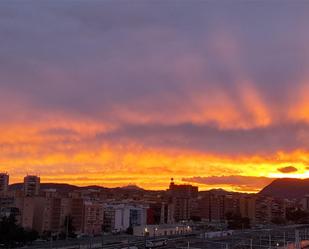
{"x":65,"y":188}
{"x":132,"y":187}
{"x":289,"y":188}
{"x":61,"y":187}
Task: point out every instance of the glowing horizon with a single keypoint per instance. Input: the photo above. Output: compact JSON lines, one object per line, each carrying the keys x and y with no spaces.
{"x":111,"y":94}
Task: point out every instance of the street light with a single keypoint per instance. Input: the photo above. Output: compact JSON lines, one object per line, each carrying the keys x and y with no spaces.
{"x":155,"y":230}
{"x":145,"y":234}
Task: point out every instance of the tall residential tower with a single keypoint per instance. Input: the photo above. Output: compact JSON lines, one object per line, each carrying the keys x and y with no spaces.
{"x":4,"y":183}
{"x":31,"y":185}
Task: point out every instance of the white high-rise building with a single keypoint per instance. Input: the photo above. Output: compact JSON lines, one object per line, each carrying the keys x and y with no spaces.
{"x":120,"y":216}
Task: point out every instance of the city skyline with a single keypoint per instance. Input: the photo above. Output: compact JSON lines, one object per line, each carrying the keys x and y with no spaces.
{"x":214,"y":94}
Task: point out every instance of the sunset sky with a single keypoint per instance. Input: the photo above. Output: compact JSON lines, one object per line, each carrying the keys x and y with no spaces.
{"x":212,"y":93}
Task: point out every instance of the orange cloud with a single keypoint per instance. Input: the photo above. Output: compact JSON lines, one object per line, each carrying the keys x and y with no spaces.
{"x":80,"y":150}
{"x":67,"y":151}
{"x":217,"y":99}
{"x":236,"y":182}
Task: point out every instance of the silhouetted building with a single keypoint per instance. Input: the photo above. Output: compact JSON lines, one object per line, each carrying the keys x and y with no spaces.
{"x":77,"y":214}
{"x":93,"y":218}
{"x":47,"y":214}
{"x":211,"y":207}
{"x":26,"y":205}
{"x":157,"y":213}
{"x":247,"y":207}
{"x":180,"y":198}
{"x":305,"y":202}
{"x":262,"y":210}
{"x":215,"y":206}
{"x":4,"y":183}
{"x":231,"y":204}
{"x":31,"y":185}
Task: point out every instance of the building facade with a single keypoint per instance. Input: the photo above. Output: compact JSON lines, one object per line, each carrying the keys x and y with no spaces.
{"x":4,"y":183}
{"x":120,"y":217}
{"x":31,"y":185}
{"x":180,"y":201}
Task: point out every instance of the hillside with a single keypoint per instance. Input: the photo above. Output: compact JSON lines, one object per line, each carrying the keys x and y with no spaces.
{"x":287,"y":188}
{"x":60,"y":187}
{"x":65,"y":188}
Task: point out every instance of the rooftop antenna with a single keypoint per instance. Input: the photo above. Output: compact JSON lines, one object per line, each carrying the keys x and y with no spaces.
{"x":172,"y":181}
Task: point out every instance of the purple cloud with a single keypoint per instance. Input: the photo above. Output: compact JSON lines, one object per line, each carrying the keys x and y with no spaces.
{"x":155,"y":69}
{"x":288,"y":169}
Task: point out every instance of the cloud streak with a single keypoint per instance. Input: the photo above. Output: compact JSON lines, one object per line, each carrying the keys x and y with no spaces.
{"x":240,"y":183}
{"x":187,"y":89}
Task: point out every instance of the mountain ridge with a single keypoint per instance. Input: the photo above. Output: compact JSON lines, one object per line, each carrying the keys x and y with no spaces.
{"x":65,"y":187}
{"x":286,"y":188}
{"x":289,"y":188}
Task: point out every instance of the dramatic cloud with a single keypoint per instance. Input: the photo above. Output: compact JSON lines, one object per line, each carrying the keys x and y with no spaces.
{"x":240,"y":183}
{"x":113,"y":92}
{"x":209,"y":139}
{"x":288,"y":169}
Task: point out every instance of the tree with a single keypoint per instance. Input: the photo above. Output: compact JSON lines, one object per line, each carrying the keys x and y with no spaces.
{"x":297,"y":215}
{"x":129,"y":230}
{"x":278,"y":221}
{"x":12,"y":235}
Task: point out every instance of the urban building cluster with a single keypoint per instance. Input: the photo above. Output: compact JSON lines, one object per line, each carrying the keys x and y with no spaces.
{"x":214,"y":206}
{"x":95,"y":210}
